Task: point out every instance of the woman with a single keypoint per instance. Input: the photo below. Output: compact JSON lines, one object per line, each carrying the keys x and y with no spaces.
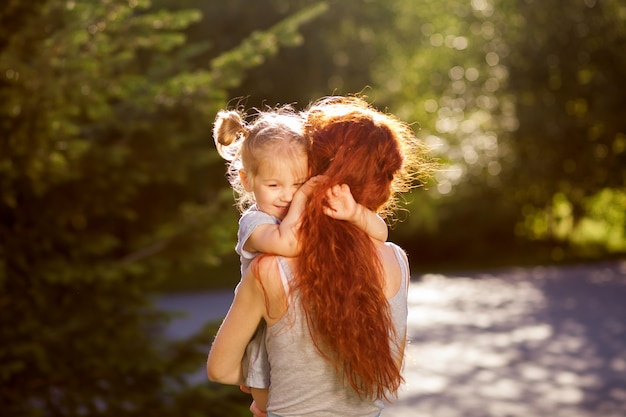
{"x":336,"y":313}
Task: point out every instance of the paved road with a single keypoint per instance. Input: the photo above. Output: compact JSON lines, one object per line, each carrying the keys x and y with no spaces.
{"x":535,"y":342}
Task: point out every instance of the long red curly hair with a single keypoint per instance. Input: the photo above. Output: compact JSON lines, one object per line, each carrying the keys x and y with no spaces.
{"x":339,"y":276}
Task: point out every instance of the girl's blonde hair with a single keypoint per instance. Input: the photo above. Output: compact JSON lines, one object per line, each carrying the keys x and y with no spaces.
{"x":276,"y":133}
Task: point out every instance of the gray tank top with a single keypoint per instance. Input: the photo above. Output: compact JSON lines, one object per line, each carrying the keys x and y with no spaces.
{"x":302,"y":383}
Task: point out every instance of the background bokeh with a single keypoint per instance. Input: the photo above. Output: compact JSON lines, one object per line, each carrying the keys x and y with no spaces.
{"x":112,"y":191}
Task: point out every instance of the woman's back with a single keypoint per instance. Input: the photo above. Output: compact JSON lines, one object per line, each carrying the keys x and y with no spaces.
{"x":303,"y":381}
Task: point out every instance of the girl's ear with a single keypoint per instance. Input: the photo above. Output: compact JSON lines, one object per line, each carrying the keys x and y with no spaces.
{"x":245,"y":180}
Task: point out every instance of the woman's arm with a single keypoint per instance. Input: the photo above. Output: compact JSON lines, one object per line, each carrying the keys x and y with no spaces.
{"x":238,"y":327}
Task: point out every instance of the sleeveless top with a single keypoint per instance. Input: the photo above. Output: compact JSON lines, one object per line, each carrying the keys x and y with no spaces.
{"x":303,"y":383}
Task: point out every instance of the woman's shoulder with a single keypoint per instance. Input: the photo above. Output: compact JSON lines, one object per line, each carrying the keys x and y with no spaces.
{"x":266,"y":268}
{"x":399,"y":252}
{"x":396,"y":267}
{"x":394,"y":246}
{"x":269,"y":272}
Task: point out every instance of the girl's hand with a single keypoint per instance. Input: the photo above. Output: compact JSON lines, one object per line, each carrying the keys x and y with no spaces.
{"x":341,"y":203}
{"x":308,"y":187}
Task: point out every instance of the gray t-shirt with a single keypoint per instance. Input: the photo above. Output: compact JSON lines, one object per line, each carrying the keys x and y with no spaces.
{"x":302,"y":383}
{"x":249,"y":221}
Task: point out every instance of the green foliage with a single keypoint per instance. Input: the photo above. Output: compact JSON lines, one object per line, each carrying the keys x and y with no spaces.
{"x":108,"y":188}
{"x":568,"y":74}
{"x":605,"y":222}
{"x":521,"y":100}
{"x":260,"y":45}
{"x":335,"y":56}
{"x":601,"y":231}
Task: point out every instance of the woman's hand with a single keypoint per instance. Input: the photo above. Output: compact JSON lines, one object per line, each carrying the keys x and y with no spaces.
{"x":256,"y":411}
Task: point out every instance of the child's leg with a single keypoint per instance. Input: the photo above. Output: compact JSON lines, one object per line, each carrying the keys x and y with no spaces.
{"x":259,"y":395}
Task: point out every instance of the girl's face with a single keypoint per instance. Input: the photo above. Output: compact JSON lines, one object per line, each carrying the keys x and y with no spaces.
{"x":276,"y":182}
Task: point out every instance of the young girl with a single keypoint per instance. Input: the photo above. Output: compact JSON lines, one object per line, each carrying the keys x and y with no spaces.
{"x":268,"y":169}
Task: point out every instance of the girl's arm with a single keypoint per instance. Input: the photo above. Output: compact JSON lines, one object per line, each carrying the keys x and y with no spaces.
{"x":238,"y":327}
{"x":281,"y":239}
{"x":342,"y":206}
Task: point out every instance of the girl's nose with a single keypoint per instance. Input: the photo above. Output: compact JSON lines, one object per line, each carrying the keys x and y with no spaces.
{"x":287,"y":194}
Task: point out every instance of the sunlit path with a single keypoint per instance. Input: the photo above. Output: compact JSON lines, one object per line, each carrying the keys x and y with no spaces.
{"x":539,"y":342}
{"x":519,"y":343}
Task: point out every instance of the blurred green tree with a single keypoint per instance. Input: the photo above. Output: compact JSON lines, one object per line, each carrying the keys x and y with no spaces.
{"x":335,"y":55}
{"x":472,"y":75}
{"x":436,"y":67}
{"x":105,"y":163}
{"x":568,"y":79}
{"x":524,"y":103}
